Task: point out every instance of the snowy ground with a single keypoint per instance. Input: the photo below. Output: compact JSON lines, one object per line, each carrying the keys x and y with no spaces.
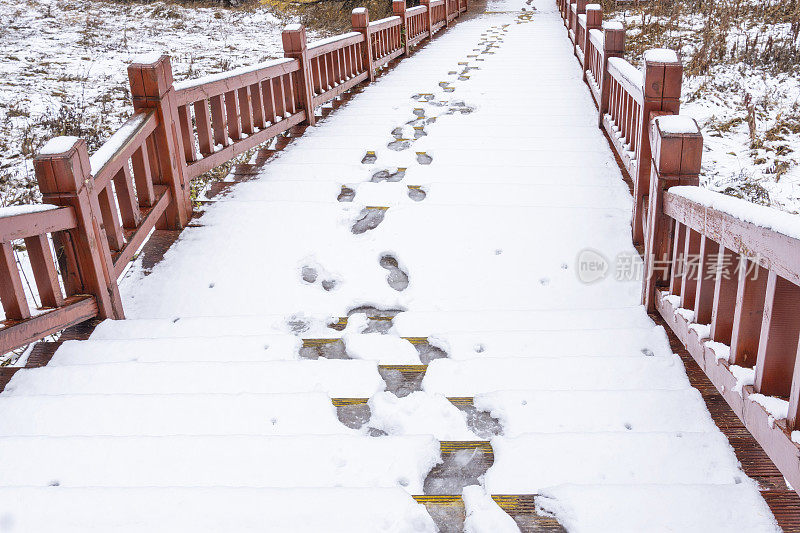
{"x":202,"y":408}
{"x":757,"y":72}
{"x":63,"y":65}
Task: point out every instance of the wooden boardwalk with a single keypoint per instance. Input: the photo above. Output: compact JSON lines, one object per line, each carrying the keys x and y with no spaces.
{"x":458,"y":297}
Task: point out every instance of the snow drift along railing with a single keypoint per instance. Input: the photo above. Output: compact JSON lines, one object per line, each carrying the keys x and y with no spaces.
{"x":723,"y":273}
{"x":139,"y":180}
{"x":725,"y":276}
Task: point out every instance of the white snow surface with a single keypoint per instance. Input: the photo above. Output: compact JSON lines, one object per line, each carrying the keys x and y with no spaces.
{"x":198,"y":414}
{"x":676,"y":124}
{"x":762,"y":216}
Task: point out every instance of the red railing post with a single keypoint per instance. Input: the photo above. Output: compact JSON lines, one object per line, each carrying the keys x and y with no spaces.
{"x":295,"y":46}
{"x":151,"y":88}
{"x":677,"y":148}
{"x":661,"y":92}
{"x":613,"y":46}
{"x":399,"y":9}
{"x":446,"y":13}
{"x":360,"y":19}
{"x":64,"y":176}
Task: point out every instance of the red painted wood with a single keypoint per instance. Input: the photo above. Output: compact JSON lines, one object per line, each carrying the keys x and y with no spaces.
{"x":691,"y":254}
{"x":749,"y":312}
{"x":128,"y":205}
{"x":44,"y":271}
{"x":704,"y":298}
{"x":12,"y":294}
{"x":152,"y":88}
{"x":295,"y":45}
{"x":76,"y":309}
{"x":202,"y":117}
{"x":143,"y":176}
{"x":245,"y":109}
{"x":187,"y":133}
{"x":219,"y":121}
{"x":780,"y":330}
{"x":110,"y":220}
{"x":61,"y":179}
{"x":232,"y":116}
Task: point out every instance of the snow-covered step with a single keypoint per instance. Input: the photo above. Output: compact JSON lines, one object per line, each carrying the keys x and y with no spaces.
{"x":387,"y":349}
{"x":621,"y":342}
{"x":552,"y":459}
{"x":475,"y":376}
{"x":214,"y":509}
{"x":222,"y":461}
{"x":696,"y":508}
{"x":539,"y":411}
{"x":396,"y":193}
{"x":406,"y":324}
{"x":324,"y":174}
{"x":170,"y":414}
{"x":337,"y":378}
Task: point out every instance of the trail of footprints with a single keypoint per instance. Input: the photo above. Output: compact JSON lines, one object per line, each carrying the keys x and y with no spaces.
{"x":464,"y":463}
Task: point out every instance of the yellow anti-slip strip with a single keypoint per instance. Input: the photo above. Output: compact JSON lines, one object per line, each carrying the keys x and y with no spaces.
{"x":341,"y":402}
{"x":511,"y":503}
{"x":405,"y":368}
{"x":456,"y":445}
{"x":320,"y":342}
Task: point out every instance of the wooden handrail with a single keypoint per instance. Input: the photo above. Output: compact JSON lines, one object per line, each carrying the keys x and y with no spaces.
{"x":190,"y":91}
{"x":47,"y":219}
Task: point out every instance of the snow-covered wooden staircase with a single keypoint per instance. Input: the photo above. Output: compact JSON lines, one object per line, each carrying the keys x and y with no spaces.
{"x":297,"y":363}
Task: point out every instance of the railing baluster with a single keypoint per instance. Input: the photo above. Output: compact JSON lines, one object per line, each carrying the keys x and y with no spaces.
{"x":257,"y":103}
{"x":12,"y":295}
{"x":269,"y":101}
{"x":706,"y":282}
{"x":245,"y":109}
{"x":108,"y":211}
{"x":232,"y":116}
{"x":187,"y":133}
{"x":748,"y":317}
{"x":44,"y":270}
{"x":128,"y":206}
{"x":202,"y":117}
{"x":218,"y":121}
{"x":143,"y":176}
{"x":780,"y":330}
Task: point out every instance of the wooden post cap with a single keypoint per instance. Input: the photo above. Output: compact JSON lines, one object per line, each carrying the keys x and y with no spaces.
{"x":294,"y":38}
{"x":62,"y":165}
{"x":667,"y":72}
{"x":613,"y":36}
{"x":398,"y":7}
{"x":677,"y":145}
{"x":150,"y":75}
{"x":360,"y":18}
{"x":594,"y":15}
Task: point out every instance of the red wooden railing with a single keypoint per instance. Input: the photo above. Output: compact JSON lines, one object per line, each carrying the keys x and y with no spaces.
{"x":724,"y":274}
{"x":106,"y":206}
